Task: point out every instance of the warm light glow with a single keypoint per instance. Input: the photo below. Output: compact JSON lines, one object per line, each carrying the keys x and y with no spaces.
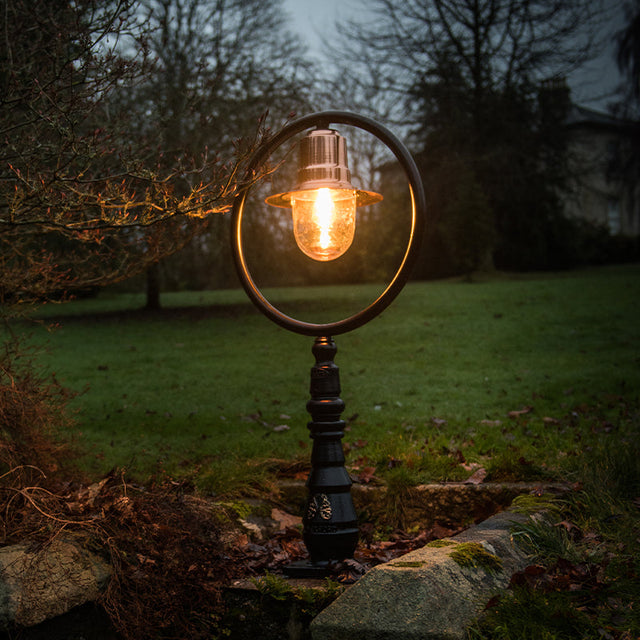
{"x":324,"y":213}
{"x":324,"y":221}
{"x":324,"y":201}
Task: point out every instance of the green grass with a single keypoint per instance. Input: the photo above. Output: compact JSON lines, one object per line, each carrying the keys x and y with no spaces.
{"x":429,"y":381}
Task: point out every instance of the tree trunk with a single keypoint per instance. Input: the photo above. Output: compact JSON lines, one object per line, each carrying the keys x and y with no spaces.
{"x":153,"y":287}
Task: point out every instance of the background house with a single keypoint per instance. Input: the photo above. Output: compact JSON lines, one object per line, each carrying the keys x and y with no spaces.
{"x":604,"y":189}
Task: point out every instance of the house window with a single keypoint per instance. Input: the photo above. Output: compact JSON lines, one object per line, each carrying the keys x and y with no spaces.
{"x":613,"y":216}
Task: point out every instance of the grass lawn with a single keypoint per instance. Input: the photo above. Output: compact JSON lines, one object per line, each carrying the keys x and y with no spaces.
{"x":201,"y":388}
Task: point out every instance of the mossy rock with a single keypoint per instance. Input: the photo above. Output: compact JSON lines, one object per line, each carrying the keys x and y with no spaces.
{"x":472,"y":555}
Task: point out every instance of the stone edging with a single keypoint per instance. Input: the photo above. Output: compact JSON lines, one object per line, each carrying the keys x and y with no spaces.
{"x":425,"y":594}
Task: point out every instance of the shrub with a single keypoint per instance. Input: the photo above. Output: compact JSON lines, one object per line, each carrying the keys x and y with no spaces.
{"x":32,"y":414}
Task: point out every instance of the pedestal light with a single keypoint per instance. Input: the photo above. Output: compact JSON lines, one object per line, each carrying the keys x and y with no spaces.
{"x":323,"y":205}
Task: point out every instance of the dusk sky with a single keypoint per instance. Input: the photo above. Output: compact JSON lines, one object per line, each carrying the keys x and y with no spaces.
{"x":591,"y":87}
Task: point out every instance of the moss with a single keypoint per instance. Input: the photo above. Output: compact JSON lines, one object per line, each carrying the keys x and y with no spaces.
{"x":273,"y":586}
{"x":241,"y":509}
{"x":474,"y":556}
{"x":529,"y":504}
{"x":310,"y":600}
{"x":438,"y":544}
{"x":409,"y":564}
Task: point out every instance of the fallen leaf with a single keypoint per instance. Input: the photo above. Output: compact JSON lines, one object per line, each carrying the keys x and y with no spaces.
{"x":142,"y":559}
{"x":520,"y":412}
{"x":477,"y":477}
{"x":284,"y":519}
{"x":366,"y":475}
{"x":281,"y":427}
{"x":534,"y":570}
{"x":459,"y":456}
{"x":439,"y":531}
{"x":95,"y":489}
{"x":567,"y":526}
{"x":252,"y":528}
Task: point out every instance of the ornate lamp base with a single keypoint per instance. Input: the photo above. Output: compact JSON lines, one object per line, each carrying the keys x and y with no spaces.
{"x":330,"y":522}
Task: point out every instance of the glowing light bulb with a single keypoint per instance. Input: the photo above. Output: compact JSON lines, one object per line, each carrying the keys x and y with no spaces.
{"x":324,"y":221}
{"x":324,"y":213}
{"x":324,"y":201}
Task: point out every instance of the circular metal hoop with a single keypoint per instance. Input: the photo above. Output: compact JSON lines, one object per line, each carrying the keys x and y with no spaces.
{"x":324,"y":119}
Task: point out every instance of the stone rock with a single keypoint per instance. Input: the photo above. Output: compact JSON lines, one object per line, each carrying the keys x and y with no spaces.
{"x":38,"y":583}
{"x":425,"y":594}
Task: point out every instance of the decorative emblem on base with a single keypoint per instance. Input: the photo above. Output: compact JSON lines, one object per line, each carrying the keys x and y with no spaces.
{"x":319,"y":505}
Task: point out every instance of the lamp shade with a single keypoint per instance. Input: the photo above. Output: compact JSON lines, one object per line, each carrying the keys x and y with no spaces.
{"x":324,"y":201}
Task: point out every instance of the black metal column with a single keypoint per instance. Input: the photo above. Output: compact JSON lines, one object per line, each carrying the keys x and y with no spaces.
{"x":330,"y":521}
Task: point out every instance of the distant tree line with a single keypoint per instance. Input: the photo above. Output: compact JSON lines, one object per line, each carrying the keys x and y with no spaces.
{"x":125,"y":125}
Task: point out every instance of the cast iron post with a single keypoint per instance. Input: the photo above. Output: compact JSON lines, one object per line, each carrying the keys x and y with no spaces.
{"x":330,"y":522}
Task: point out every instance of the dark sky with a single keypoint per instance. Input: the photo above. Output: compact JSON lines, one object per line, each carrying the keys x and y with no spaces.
{"x":591,"y":87}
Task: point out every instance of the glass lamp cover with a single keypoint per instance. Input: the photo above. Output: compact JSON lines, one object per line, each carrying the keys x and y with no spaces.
{"x":324,"y":201}
{"x":324,"y":221}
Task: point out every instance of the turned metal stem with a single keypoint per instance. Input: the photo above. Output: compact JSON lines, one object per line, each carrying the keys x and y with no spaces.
{"x":330,"y":522}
